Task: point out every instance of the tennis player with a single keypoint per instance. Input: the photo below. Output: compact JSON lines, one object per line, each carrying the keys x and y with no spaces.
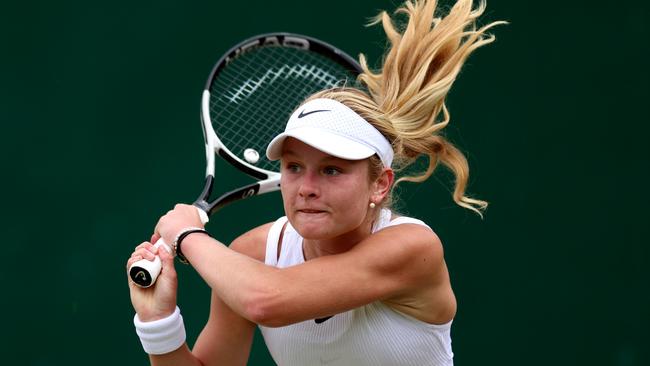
{"x":341,"y":279}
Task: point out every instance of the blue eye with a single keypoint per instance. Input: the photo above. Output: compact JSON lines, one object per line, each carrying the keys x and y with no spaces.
{"x":292,"y":167}
{"x":330,"y":170}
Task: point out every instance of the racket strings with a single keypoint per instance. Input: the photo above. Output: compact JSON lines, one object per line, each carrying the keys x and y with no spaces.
{"x":271,"y":93}
{"x":252,"y":98}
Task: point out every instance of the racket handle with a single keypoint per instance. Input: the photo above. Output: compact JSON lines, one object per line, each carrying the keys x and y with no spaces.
{"x":144,"y":273}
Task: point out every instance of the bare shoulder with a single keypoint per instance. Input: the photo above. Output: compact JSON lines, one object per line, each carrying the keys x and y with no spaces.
{"x":412,"y":251}
{"x":253,"y":242}
{"x":411,"y":239}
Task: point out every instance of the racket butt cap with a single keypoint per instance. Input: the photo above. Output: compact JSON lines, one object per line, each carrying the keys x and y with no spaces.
{"x":144,"y":273}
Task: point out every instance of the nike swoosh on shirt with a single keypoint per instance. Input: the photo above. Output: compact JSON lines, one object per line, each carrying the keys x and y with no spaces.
{"x":303,"y":114}
{"x":322,"y":320}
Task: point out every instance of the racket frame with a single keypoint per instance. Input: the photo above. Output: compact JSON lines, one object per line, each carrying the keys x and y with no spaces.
{"x":268,"y":180}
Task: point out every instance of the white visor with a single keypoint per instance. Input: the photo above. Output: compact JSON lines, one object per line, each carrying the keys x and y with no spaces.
{"x":334,"y":129}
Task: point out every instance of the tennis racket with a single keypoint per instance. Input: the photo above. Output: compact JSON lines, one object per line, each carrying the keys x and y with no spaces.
{"x":248,"y":98}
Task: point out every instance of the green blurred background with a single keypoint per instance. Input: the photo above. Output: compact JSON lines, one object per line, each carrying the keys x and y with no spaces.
{"x":99,"y":108}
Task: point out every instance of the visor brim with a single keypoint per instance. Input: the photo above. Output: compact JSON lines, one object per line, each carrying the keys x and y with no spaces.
{"x":333,"y":144}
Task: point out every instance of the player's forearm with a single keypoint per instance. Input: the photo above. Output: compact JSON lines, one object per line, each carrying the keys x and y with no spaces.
{"x":244,"y":284}
{"x":180,"y":357}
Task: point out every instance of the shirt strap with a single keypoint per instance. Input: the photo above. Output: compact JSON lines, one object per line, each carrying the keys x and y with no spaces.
{"x":272,"y":241}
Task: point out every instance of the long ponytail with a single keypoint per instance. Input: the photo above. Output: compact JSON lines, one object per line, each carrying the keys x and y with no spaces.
{"x":405,"y":99}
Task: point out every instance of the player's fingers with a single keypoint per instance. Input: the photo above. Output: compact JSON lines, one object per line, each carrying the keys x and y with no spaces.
{"x":146,"y":245}
{"x":143,"y":254}
{"x":132,"y":259}
{"x":147,"y":252}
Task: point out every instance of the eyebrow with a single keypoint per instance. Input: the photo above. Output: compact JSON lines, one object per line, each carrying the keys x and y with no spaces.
{"x":288,"y":152}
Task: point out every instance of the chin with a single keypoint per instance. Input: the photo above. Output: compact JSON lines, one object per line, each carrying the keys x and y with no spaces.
{"x":312,"y":230}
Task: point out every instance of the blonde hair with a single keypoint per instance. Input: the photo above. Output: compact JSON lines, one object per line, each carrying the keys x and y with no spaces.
{"x":405,"y":100}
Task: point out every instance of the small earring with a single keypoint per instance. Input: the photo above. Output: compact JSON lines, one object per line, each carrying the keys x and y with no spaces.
{"x":372,"y":205}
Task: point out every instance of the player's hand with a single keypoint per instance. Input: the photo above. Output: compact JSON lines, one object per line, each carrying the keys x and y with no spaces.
{"x":159,"y":300}
{"x":181,"y":217}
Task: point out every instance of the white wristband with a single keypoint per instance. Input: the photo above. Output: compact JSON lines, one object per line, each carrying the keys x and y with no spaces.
{"x":163,"y":335}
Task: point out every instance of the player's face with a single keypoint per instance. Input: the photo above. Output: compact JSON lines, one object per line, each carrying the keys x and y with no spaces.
{"x":324,"y":197}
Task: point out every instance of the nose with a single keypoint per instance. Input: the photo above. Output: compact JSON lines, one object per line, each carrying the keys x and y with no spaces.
{"x":309,"y":186}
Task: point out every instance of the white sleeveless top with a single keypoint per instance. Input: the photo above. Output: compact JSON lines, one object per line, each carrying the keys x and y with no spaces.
{"x":373,"y":335}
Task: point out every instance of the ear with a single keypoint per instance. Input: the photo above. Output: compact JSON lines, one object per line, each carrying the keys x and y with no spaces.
{"x":382,"y":185}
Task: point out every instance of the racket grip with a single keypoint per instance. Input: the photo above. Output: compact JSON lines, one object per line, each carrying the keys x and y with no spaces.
{"x":144,"y":272}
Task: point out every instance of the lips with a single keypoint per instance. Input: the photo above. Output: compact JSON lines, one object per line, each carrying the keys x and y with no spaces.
{"x":310,"y":211}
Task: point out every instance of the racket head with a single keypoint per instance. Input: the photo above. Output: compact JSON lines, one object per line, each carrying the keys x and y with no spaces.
{"x":256,"y":85}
